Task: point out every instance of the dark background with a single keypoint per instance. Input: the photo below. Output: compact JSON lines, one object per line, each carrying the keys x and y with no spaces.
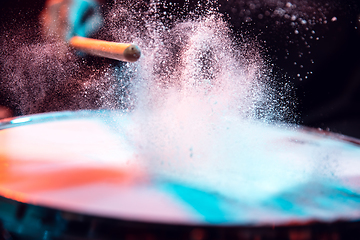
{"x":327,"y":98}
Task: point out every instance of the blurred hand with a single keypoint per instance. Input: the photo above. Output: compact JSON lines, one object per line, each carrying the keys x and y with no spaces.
{"x":67,"y":18}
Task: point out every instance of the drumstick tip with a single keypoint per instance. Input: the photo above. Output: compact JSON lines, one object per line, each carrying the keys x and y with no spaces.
{"x":132,"y":53}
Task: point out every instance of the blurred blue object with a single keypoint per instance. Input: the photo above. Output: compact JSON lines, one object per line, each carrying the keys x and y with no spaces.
{"x":84,"y":18}
{"x":67,"y":18}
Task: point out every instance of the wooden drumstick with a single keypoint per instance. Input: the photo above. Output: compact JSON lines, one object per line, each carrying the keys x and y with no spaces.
{"x":120,"y":51}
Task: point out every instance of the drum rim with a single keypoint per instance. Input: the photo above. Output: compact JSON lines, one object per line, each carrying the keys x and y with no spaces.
{"x":53,"y":116}
{"x":291,"y":224}
{"x":63,"y":115}
{"x":94,"y":228}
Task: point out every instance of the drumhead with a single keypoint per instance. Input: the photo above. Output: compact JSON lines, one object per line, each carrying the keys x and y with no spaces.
{"x":103,"y":164}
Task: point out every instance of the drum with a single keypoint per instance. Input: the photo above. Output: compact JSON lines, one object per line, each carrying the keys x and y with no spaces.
{"x":105,"y":175}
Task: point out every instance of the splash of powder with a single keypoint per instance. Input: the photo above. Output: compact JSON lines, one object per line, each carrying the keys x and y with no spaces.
{"x":194,"y":53}
{"x":207,"y":108}
{"x":199,"y":56}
